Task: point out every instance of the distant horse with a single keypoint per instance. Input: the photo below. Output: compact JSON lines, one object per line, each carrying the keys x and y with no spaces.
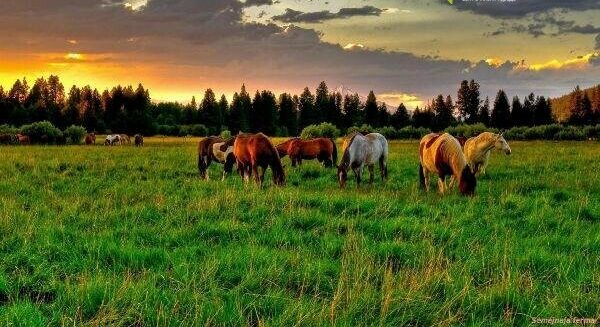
{"x":90,"y":139}
{"x":322,"y":149}
{"x":205,"y":154}
{"x":364,"y":150}
{"x":441,"y":154}
{"x":23,"y":139}
{"x":8,"y":139}
{"x":283,"y":148}
{"x":254,"y":151}
{"x":461,"y":140}
{"x":139,"y":140}
{"x":223,"y":153}
{"x":478,"y":149}
{"x":125,"y":138}
{"x":112,"y":140}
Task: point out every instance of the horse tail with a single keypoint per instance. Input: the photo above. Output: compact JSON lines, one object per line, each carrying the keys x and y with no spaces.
{"x":422,"y":176}
{"x":334,"y":154}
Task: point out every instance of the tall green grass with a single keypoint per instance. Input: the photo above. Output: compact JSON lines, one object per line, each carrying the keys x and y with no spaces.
{"x":131,"y":236}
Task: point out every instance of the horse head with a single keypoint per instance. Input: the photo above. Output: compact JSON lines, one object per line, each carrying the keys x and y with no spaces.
{"x":467,"y":182}
{"x":502,"y":145}
{"x":342,"y":175}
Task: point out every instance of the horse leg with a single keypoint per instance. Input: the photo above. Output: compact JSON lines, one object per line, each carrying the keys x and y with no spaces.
{"x":262,"y":175}
{"x":358,"y":173}
{"x":255,"y":173}
{"x":441,"y":185}
{"x":383,"y":169}
{"x":371,"y":173}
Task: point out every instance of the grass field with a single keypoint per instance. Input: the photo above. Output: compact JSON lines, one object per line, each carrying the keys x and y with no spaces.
{"x":131,"y":236}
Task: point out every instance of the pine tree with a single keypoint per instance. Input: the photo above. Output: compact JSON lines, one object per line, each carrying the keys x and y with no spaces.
{"x":335,"y":109}
{"x":467,"y":101}
{"x":484,"y":112}
{"x":443,"y":114}
{"x":306,"y":108}
{"x":209,"y":112}
{"x":223,"y":107}
{"x":543,"y":112}
{"x":371,"y":110}
{"x":400,"y":118}
{"x":322,"y":103}
{"x":288,"y":115}
{"x":423,"y":117}
{"x":352,"y":111}
{"x":383,"y":115}
{"x":577,"y":116}
{"x":517,"y":114}
{"x":500,"y":117}
{"x":71,"y":112}
{"x":528,"y":110}
{"x":190,"y":112}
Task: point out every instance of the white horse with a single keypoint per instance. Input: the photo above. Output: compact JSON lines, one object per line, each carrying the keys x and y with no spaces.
{"x":223,"y":153}
{"x":477,"y":150}
{"x":364,"y":150}
{"x":114,"y":139}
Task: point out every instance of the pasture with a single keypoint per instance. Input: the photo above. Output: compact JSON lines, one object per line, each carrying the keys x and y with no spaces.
{"x":131,"y":236}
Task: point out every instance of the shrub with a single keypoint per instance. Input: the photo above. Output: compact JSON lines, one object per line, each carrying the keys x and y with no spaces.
{"x":592,"y":132}
{"x":7,"y":129}
{"x":321,"y":130}
{"x":469,"y":130}
{"x":225,"y":134}
{"x":364,"y":129}
{"x":43,"y":132}
{"x":198,"y":130}
{"x":570,"y":133}
{"x":412,"y":133}
{"x":74,"y":134}
{"x":515,"y":133}
{"x":388,"y":131}
{"x":168,"y":130}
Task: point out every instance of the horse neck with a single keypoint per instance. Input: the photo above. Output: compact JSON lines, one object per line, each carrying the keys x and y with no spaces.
{"x":486,"y":143}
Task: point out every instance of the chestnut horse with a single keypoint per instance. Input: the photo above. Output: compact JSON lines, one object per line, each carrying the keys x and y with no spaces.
{"x":322,"y":149}
{"x":364,"y":150}
{"x":253,"y":151}
{"x":205,"y":154}
{"x":283,"y":148}
{"x":442,"y":154}
{"x":90,"y":139}
{"x":23,"y":139}
{"x":139,"y":140}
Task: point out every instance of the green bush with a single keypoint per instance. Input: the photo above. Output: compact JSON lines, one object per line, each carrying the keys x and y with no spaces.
{"x":570,"y":133}
{"x":412,"y":133}
{"x":388,"y":131}
{"x":198,"y":130}
{"x":321,"y":130}
{"x":469,"y":130}
{"x":364,"y":129}
{"x":74,"y":134}
{"x":7,"y":129}
{"x":43,"y":132}
{"x":225,"y":134}
{"x":168,"y":130}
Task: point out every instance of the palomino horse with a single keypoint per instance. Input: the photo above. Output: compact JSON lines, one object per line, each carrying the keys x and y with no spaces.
{"x":139,"y":140}
{"x":322,"y":149}
{"x":284,"y":148}
{"x":478,"y":149}
{"x":254,"y":151}
{"x":125,"y":138}
{"x":114,"y":139}
{"x":90,"y":139}
{"x":223,"y":153}
{"x":364,"y":150}
{"x":442,"y":155}
{"x":205,"y":154}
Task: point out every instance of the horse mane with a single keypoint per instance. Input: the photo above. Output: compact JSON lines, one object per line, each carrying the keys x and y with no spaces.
{"x":346,"y":155}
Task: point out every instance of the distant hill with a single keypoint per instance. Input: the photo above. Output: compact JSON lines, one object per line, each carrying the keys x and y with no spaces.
{"x":560,"y":106}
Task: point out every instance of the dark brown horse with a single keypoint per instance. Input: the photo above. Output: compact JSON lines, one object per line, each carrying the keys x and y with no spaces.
{"x":90,"y":139}
{"x":253,"y":151}
{"x":139,"y":140}
{"x":8,"y":139}
{"x":322,"y":149}
{"x":205,"y":154}
{"x":283,"y":148}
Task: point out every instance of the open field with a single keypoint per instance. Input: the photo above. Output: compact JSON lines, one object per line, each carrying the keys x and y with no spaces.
{"x":130,"y":236}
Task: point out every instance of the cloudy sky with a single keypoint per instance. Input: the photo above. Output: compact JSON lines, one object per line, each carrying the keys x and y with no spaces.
{"x":406,"y":51}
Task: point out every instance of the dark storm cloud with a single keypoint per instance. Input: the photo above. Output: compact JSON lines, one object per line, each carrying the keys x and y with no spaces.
{"x":546,"y":24}
{"x":295,"y":16}
{"x":521,"y":8}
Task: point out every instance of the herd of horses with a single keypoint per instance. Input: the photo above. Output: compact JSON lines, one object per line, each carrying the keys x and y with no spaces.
{"x":453,"y":159}
{"x":15,"y":139}
{"x":116,"y":139}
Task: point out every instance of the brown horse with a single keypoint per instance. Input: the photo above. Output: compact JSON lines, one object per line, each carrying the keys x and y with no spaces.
{"x":90,"y":139}
{"x":283,"y":148}
{"x":23,"y":139}
{"x":442,"y":154}
{"x":462,"y":140}
{"x":139,"y":140}
{"x":256,"y":150}
{"x":322,"y":149}
{"x":205,"y":154}
{"x":8,"y":139}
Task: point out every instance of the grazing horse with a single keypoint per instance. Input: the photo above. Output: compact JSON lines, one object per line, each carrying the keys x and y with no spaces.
{"x":223,"y":153}
{"x":125,"y":138}
{"x":441,"y":154}
{"x":478,"y":149}
{"x":205,"y":154}
{"x":364,"y":150}
{"x":112,"y":140}
{"x":322,"y":149}
{"x":462,"y":140}
{"x":283,"y":148}
{"x":8,"y":139}
{"x":23,"y":139}
{"x":90,"y":139}
{"x":139,"y":140}
{"x":253,"y":151}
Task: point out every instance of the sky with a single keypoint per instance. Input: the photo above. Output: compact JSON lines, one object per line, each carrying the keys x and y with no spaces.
{"x":405,"y":51}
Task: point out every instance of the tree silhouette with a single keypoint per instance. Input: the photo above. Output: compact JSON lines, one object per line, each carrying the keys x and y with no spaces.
{"x":500,"y":117}
{"x":371,"y":111}
{"x":288,"y":115}
{"x":400,"y":118}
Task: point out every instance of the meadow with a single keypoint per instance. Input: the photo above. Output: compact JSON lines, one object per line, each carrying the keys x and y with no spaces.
{"x":132,"y":237}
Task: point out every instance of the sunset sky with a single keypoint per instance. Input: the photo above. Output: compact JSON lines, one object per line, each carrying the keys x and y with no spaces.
{"x":406,"y":51}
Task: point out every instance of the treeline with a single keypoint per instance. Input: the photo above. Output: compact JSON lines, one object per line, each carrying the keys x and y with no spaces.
{"x":130,"y":110}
